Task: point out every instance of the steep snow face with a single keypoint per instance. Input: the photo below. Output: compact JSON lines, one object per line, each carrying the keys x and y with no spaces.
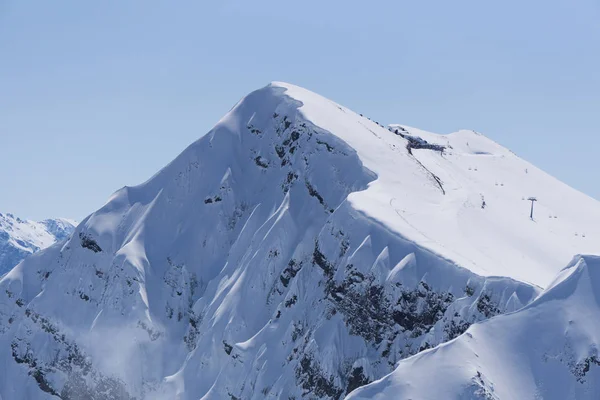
{"x":20,"y":238}
{"x":547,"y":350}
{"x":272,"y":258}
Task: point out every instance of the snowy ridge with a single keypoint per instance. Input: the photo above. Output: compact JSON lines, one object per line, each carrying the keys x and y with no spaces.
{"x":292,"y":252}
{"x":547,"y":350}
{"x":499,"y":239}
{"x":20,"y":238}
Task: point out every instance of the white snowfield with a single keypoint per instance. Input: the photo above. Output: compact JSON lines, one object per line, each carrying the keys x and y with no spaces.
{"x":298,"y":250}
{"x":547,"y":350}
{"x":499,"y":239}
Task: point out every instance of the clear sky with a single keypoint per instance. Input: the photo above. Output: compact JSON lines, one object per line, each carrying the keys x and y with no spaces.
{"x":95,"y":95}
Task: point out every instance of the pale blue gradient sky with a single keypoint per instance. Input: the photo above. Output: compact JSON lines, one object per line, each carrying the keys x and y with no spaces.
{"x":95,"y":95}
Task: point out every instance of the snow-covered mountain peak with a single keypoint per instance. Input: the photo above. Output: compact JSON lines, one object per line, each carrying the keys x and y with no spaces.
{"x":462,"y":195}
{"x":22,"y":231}
{"x":297,"y":250}
{"x":580,"y":279}
{"x":19,"y":238}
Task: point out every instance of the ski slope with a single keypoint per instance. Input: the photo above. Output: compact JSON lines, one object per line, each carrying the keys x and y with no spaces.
{"x":498,"y":240}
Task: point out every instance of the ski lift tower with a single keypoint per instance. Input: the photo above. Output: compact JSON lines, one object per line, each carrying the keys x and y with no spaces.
{"x":532,"y":200}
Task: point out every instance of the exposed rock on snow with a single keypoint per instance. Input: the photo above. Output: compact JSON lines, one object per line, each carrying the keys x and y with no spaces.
{"x":547,"y":350}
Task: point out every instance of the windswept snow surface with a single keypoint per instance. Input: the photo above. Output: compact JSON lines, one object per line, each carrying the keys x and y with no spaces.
{"x":547,"y":350}
{"x":499,"y":239}
{"x":298,"y":250}
{"x":20,"y":238}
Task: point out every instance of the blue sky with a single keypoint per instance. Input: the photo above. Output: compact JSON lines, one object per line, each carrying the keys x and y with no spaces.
{"x":95,"y":95}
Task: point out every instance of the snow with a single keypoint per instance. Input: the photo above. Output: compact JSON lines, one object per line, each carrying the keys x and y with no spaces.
{"x":497,"y":240}
{"x":19,"y":238}
{"x":296,"y":250}
{"x":548,"y":349}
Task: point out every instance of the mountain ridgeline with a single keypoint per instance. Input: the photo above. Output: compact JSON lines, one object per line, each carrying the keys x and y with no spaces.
{"x":297,"y":250}
{"x":20,"y":238}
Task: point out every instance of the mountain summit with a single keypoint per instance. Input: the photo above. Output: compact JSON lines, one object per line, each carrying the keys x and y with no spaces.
{"x":297,"y":250}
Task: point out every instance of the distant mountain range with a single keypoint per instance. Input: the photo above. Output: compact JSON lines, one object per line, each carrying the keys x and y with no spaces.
{"x":20,"y":238}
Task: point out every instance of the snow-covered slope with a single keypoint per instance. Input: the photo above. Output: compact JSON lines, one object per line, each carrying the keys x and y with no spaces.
{"x":497,"y":238}
{"x":20,"y":238}
{"x":279,"y":256}
{"x":547,"y":350}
